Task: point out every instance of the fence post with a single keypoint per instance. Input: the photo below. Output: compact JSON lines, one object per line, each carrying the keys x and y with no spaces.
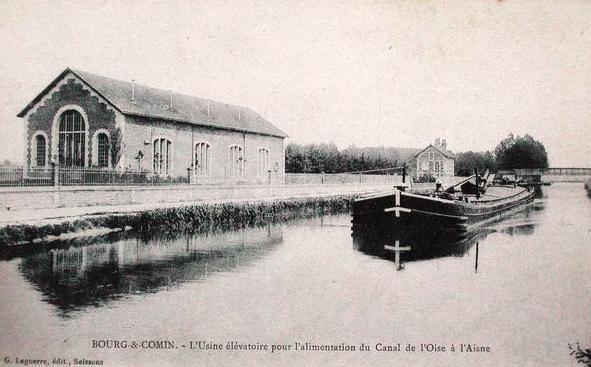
{"x":322,"y":177}
{"x":55,"y":174}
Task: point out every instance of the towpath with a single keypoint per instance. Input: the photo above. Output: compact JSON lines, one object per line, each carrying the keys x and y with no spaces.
{"x":37,"y":217}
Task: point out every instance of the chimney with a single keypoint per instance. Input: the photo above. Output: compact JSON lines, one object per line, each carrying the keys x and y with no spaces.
{"x":444,"y":144}
{"x":133,"y":90}
{"x":437,"y":142}
{"x":170,"y":93}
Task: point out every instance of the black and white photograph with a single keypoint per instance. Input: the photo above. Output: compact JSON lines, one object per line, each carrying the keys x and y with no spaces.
{"x":295,"y":183}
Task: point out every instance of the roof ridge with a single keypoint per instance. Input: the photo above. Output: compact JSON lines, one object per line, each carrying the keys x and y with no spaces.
{"x":78,"y":71}
{"x":152,"y":101}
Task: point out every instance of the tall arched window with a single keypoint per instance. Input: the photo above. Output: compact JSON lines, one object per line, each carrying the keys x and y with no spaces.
{"x":201,"y":159}
{"x":102,"y":150}
{"x":72,"y":139}
{"x":40,"y":151}
{"x":235,"y":161}
{"x":162,"y":156}
{"x":264,"y":164}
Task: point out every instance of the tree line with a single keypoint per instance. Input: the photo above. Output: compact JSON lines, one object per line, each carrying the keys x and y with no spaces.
{"x":511,"y":153}
{"x":327,"y":158}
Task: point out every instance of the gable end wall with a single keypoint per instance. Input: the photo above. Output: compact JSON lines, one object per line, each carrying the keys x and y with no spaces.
{"x":72,"y":92}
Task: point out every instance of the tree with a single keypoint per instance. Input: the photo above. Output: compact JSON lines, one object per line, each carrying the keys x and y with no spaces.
{"x":316,"y":158}
{"x":467,"y":161}
{"x":520,"y":152}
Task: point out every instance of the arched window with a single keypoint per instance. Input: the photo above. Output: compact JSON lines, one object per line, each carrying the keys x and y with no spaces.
{"x":201,"y":159}
{"x":40,"y":151}
{"x":235,"y":161}
{"x":264,"y":164}
{"x":102,"y":150}
{"x":72,"y":139}
{"x":162,"y":156}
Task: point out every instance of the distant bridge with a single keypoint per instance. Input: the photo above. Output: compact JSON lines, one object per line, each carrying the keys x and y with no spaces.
{"x":566,"y":174}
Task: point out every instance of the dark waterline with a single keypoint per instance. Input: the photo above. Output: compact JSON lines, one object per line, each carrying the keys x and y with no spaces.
{"x":520,"y":286}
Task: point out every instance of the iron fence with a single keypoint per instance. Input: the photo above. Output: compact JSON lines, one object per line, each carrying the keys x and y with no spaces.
{"x":19,"y":176}
{"x":82,"y":176}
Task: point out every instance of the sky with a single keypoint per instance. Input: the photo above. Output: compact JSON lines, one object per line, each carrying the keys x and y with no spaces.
{"x":364,"y":73}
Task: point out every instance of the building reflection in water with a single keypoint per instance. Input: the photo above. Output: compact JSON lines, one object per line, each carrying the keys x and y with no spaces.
{"x":79,"y":276}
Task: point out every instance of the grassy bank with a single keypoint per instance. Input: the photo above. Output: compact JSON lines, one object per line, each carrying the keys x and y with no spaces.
{"x":194,"y":218}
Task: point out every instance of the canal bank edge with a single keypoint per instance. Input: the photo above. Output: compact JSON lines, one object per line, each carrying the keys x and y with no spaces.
{"x":189,"y":217}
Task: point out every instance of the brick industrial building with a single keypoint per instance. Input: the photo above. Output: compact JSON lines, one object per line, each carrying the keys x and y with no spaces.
{"x":85,"y":120}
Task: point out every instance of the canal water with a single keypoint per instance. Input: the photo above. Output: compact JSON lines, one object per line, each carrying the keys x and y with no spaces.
{"x":518,"y":293}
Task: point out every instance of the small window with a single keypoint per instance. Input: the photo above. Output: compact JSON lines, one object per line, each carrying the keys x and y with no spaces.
{"x":202,"y":159}
{"x":40,"y":150}
{"x":162,"y":156}
{"x":431,"y":155}
{"x":103,"y":150}
{"x":264,"y":164}
{"x":236,"y":161}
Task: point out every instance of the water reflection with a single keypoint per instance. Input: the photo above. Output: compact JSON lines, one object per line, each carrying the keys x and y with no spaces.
{"x":520,"y":230}
{"x":403,"y":247}
{"x":79,"y":276}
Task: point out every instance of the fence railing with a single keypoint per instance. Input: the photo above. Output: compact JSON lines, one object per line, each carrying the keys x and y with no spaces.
{"x":567,"y":171}
{"x":82,"y":176}
{"x":18,"y":176}
{"x":339,"y":178}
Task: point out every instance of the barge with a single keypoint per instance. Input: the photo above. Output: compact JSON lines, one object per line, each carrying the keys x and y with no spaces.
{"x":449,"y":213}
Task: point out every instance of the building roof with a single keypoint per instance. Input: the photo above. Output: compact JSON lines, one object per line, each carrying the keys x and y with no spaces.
{"x":444,"y":152}
{"x":155,"y":103}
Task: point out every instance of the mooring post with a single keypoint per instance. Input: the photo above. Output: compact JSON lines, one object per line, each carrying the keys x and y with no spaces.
{"x":476,"y":264}
{"x":477,"y":183}
{"x":404,"y":173}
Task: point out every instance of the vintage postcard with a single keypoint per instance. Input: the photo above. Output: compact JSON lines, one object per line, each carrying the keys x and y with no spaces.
{"x":295,"y":183}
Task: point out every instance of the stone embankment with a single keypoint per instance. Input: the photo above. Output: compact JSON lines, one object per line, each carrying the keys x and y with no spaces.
{"x":26,"y":226}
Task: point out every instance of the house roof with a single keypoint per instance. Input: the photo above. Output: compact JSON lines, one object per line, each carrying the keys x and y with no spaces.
{"x":155,"y":103}
{"x":444,"y":152}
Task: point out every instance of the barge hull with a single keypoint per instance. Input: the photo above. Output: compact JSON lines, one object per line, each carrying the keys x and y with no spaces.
{"x":398,"y":210}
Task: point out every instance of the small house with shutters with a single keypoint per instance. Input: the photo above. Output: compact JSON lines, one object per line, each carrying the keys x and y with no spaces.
{"x":91,"y":121}
{"x":435,"y":161}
